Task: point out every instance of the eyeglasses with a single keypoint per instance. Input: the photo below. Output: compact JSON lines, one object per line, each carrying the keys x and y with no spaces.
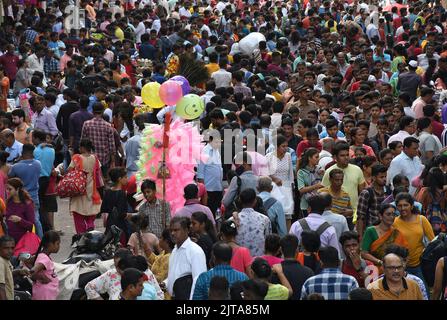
{"x":394,"y":268}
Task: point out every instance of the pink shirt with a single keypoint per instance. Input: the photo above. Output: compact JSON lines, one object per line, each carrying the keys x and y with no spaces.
{"x":272,"y":260}
{"x":260,"y":164}
{"x":50,"y":290}
{"x":418,"y":107}
{"x":63,"y":62}
{"x":241,"y":259}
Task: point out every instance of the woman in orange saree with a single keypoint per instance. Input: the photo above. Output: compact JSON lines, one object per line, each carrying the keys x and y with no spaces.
{"x":377,"y":238}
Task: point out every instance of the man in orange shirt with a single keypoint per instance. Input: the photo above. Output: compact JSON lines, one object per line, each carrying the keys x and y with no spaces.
{"x":394,"y":285}
{"x":4,"y":89}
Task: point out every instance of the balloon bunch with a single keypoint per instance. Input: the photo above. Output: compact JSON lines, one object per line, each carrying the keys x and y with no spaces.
{"x":183,"y":154}
{"x":174,"y":92}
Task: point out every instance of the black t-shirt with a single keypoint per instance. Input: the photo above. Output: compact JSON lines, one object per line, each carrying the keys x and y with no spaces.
{"x":294,"y":141}
{"x":206,"y":243}
{"x":115,"y":204}
{"x":296,"y":274}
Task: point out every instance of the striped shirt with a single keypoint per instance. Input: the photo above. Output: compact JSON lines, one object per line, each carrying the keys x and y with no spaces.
{"x":340,"y":202}
{"x":331,"y":283}
{"x":203,"y":281}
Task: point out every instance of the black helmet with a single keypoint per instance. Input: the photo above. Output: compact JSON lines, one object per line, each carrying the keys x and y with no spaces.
{"x":91,"y":241}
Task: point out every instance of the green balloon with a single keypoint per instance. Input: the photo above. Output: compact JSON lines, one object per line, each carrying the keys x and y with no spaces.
{"x":190,"y":107}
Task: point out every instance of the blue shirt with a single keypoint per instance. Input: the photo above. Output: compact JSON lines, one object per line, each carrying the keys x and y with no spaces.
{"x":15,"y":151}
{"x":92,"y":100}
{"x":203,"y":281}
{"x":148,"y":51}
{"x":46,"y":157}
{"x":324,"y":134}
{"x":331,"y":283}
{"x":158,"y":78}
{"x":133,"y":153}
{"x":29,"y":172}
{"x":276,"y":214}
{"x":211,"y":172}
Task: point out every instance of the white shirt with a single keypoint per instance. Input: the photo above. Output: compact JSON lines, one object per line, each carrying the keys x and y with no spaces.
{"x":188,"y":259}
{"x":409,"y":112}
{"x":184,"y":12}
{"x":207,"y":97}
{"x":156,"y":25}
{"x":403,"y":164}
{"x":205,"y":27}
{"x":400,"y":136}
{"x":34,"y":63}
{"x":423,"y":60}
{"x":276,"y":120}
{"x":139,"y":31}
{"x":325,"y":158}
{"x":337,"y":221}
{"x":222,"y":78}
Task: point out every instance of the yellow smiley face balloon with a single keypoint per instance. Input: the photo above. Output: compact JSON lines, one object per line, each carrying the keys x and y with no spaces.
{"x":150,"y":95}
{"x":190,"y":107}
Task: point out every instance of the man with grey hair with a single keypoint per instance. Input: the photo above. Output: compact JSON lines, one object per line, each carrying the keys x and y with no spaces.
{"x":326,"y":154}
{"x":273,"y":207}
{"x":245,"y":179}
{"x":12,"y":146}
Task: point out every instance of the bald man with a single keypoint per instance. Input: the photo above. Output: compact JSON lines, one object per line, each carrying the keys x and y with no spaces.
{"x":12,"y":146}
{"x":394,"y":285}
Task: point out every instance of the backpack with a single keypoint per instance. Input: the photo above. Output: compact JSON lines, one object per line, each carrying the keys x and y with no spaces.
{"x":321,"y":229}
{"x":235,"y":205}
{"x":435,"y":250}
{"x":267,"y":205}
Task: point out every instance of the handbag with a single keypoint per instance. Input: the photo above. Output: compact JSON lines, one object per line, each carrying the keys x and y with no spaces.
{"x":182,"y":288}
{"x":28,"y":243}
{"x":74,"y":183}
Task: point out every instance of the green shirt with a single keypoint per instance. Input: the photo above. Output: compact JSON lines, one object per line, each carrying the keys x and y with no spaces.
{"x":369,"y":237}
{"x":277,"y":292}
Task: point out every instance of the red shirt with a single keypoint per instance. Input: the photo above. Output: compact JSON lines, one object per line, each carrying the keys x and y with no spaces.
{"x":355,"y":86}
{"x":349,"y":270}
{"x":304,"y":145}
{"x":9,"y":62}
{"x":273,"y":67}
{"x":437,"y":129}
{"x":397,"y":22}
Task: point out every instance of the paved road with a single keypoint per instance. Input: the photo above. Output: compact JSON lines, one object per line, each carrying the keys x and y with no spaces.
{"x":64,"y":221}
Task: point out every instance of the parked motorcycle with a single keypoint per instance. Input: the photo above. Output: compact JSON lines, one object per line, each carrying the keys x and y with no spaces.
{"x":23,"y":286}
{"x":94,"y":245}
{"x":91,"y":246}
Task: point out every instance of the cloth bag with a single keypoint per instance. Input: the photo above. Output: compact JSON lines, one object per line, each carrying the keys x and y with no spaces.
{"x":28,"y":243}
{"x":74,"y":183}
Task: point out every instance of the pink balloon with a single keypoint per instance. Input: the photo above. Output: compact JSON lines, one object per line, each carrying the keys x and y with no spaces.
{"x":170,"y":92}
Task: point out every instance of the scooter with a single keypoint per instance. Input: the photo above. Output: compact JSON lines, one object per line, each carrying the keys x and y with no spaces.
{"x":23,"y":285}
{"x":90,"y":246}
{"x":94,"y":245}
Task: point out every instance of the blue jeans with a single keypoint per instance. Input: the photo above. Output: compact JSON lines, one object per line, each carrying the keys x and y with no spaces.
{"x":39,"y":230}
{"x":417,"y":271}
{"x":67,"y":156}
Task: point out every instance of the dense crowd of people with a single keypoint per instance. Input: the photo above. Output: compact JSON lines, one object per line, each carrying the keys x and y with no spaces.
{"x":339,"y":112}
